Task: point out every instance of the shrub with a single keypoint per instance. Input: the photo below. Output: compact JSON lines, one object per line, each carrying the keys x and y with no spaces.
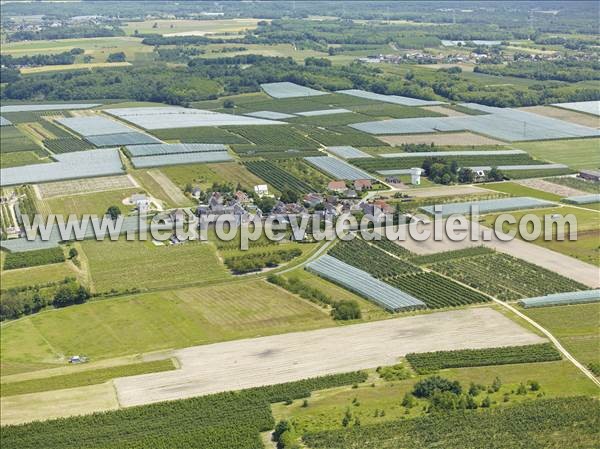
{"x":346,"y":310}
{"x":427,"y":387}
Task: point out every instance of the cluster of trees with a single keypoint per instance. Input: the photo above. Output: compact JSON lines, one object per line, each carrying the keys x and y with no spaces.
{"x":158,"y":83}
{"x":257,"y":261}
{"x":444,"y":395}
{"x":206,"y":78}
{"x":116,"y":57}
{"x":178,"y":53}
{"x":69,"y":294}
{"x":17,"y":302}
{"x":65,"y":32}
{"x":572,"y":43}
{"x":340,"y":310}
{"x":443,"y":171}
{"x":64,"y":58}
{"x":571,"y":70}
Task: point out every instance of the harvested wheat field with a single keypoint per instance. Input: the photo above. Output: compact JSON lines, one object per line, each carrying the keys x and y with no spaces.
{"x":461,"y":138}
{"x":564,"y":114}
{"x":444,"y":110}
{"x":284,"y":358}
{"x":550,"y":187}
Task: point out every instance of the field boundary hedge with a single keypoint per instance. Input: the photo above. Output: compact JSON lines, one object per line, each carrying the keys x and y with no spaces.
{"x":430,"y":362}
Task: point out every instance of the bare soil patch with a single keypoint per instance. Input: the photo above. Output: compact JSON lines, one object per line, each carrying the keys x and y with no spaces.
{"x":444,"y":110}
{"x":550,"y":187}
{"x":83,"y":186}
{"x":289,"y":357}
{"x":564,"y":114}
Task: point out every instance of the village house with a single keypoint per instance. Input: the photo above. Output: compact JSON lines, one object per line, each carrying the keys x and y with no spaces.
{"x":362,"y":184}
{"x":196,"y":192}
{"x":350,"y":193}
{"x":242,"y":197}
{"x":337,"y":186}
{"x":312,"y":199}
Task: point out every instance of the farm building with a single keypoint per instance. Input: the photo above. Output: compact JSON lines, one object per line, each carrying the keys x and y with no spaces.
{"x":261,"y":190}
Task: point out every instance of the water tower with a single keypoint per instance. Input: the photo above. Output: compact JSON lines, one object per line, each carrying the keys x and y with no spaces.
{"x":415,"y":176}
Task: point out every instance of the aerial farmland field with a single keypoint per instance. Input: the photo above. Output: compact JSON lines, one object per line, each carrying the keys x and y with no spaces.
{"x":581,"y":153}
{"x":348,"y":296}
{"x":158,"y":321}
{"x":150,"y":266}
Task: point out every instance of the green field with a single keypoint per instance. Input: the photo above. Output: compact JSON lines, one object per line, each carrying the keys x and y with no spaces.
{"x":201,"y":134}
{"x":547,"y":423}
{"x":122,"y":265}
{"x":168,"y":26}
{"x":13,"y":139}
{"x":155,"y":321}
{"x":91,"y":203}
{"x":84,"y":378}
{"x":204,"y":175}
{"x":576,"y":153}
{"x":284,"y":136}
{"x":327,"y":408}
{"x":576,"y":327}
{"x":515,"y":189}
{"x":36,"y":275}
{"x":98,"y":47}
{"x":585,"y":248}
{"x":18,"y":158}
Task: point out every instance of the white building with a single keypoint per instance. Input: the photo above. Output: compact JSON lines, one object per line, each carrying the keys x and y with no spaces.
{"x":415,"y":176}
{"x":261,"y":190}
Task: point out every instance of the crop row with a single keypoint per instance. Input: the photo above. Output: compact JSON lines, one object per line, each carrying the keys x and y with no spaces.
{"x":13,"y":140}
{"x":342,"y":135}
{"x":429,"y":362}
{"x":31,"y":116}
{"x":33,"y":258}
{"x":366,"y":257}
{"x":393,"y":248}
{"x":67,"y":145}
{"x":272,"y":153}
{"x":436,"y":291}
{"x":282,"y":136}
{"x":277,"y":177}
{"x":450,"y":255}
{"x":232,"y":420}
{"x":56,"y":130}
{"x":538,"y":424}
{"x":202,"y":134}
{"x":506,"y":277}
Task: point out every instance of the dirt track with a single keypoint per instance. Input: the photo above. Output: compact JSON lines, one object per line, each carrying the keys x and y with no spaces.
{"x":288,"y":357}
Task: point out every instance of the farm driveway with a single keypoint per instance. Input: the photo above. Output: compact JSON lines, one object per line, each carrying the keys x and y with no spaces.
{"x":288,"y":357}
